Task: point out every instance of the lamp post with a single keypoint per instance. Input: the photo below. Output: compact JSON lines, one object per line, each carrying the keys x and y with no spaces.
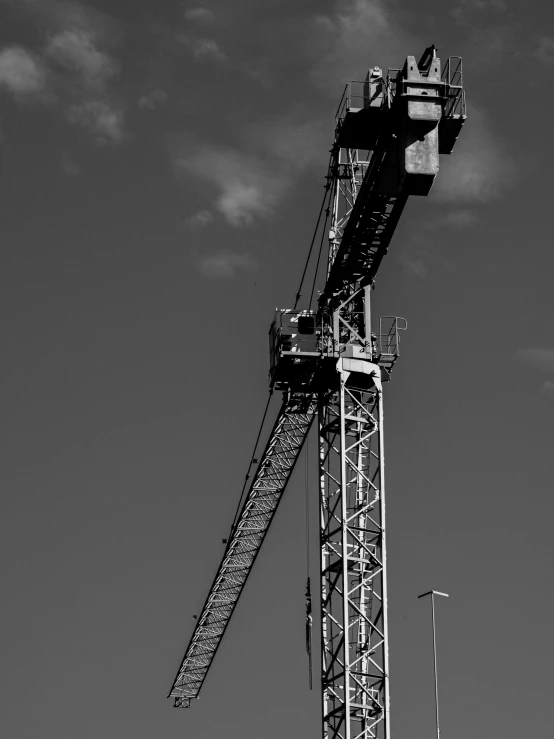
{"x":432,"y":593}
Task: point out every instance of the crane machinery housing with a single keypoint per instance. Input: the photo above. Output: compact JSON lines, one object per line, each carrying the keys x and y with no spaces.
{"x":331,"y":366}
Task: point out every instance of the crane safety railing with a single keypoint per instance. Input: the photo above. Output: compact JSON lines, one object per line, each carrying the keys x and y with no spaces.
{"x":452,"y":72}
{"x":391,"y":84}
{"x":388,"y":339}
{"x":356,"y":96}
{"x":343,"y":105}
{"x":268,"y":484}
{"x":356,"y":93}
{"x":452,"y":76}
{"x":321,"y":342}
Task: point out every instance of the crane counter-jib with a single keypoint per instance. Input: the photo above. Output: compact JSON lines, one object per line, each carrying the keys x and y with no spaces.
{"x":403,"y":124}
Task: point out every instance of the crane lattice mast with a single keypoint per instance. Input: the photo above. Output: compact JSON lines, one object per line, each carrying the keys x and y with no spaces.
{"x":329,"y":363}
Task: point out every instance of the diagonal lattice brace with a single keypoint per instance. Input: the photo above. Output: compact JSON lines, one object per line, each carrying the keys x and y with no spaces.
{"x":275,"y":467}
{"x":353,"y":559}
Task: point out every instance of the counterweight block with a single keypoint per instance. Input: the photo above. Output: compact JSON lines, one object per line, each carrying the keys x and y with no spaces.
{"x":412,"y":116}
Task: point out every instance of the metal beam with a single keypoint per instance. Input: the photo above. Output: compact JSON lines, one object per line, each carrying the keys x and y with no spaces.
{"x":354,"y":633}
{"x":268,"y":485}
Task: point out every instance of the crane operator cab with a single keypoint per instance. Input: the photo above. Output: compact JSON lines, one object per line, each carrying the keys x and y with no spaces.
{"x":293,"y":348}
{"x":301,"y":341}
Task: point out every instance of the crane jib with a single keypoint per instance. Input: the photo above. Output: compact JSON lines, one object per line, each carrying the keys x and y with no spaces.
{"x":268,"y":485}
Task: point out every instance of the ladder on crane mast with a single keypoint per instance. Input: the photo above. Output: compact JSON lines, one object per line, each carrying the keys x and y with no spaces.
{"x":330,"y":366}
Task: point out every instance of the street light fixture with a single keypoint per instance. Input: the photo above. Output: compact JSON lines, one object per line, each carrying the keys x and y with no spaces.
{"x":432,"y":593}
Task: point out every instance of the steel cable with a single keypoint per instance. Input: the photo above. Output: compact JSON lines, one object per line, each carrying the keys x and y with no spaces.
{"x":299,"y":294}
{"x":327,"y":212}
{"x":252,"y":461}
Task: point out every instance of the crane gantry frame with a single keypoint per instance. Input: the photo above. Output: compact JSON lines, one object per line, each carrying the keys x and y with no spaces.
{"x":388,"y":136}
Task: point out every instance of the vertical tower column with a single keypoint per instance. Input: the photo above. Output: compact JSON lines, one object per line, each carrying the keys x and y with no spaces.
{"x":355,"y":672}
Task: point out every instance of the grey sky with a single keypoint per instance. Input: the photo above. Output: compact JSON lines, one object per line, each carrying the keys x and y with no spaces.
{"x":162,"y":169}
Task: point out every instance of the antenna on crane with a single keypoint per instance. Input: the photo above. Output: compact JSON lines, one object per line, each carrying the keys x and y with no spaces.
{"x":330,"y":363}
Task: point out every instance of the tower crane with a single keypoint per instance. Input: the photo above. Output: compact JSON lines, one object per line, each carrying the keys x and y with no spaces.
{"x":330,"y":363}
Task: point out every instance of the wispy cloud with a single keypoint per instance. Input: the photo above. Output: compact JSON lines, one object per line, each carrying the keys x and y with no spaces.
{"x":292,"y":141}
{"x":246,"y":188}
{"x":466,"y":8}
{"x":69,"y":165}
{"x":479,"y":170}
{"x":485,"y":4}
{"x":152,"y":99}
{"x":202,"y":49}
{"x":488,"y":43}
{"x":207,"y":48}
{"x":538,"y":357}
{"x":77,"y":52}
{"x":415,"y":255}
{"x":59,"y":15}
{"x":545,"y":50}
{"x":460,"y":218}
{"x":74,"y":66}
{"x":250,"y":181}
{"x":200,"y":15}
{"x":358,"y":33}
{"x":104,"y":120}
{"x":367,"y":32}
{"x":224,"y":264}
{"x":22,"y":72}
{"x":199,"y":220}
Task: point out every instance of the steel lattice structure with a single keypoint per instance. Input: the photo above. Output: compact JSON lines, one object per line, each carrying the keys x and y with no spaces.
{"x":268,"y":484}
{"x":354,"y":640}
{"x":388,"y":137}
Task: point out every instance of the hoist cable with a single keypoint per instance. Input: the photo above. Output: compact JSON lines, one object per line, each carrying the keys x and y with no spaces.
{"x":309,"y":629}
{"x":327,"y":189}
{"x":299,"y":294}
{"x":308,"y":588}
{"x":307,"y":493}
{"x":327,"y":212}
{"x":252,"y":461}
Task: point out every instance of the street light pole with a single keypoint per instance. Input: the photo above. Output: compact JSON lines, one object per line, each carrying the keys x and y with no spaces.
{"x":432,"y":593}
